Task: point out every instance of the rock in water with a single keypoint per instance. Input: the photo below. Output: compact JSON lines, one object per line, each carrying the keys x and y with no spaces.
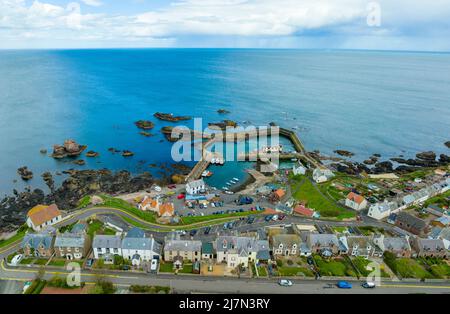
{"x":344,"y":153}
{"x":145,"y":124}
{"x":444,"y":159}
{"x":91,"y":154}
{"x":69,"y":148}
{"x":25,"y":173}
{"x":447,"y":144}
{"x":222,"y":111}
{"x":127,"y":153}
{"x":430,"y":156}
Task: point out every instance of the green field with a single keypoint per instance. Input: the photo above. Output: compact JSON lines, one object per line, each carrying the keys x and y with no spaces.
{"x":304,"y":190}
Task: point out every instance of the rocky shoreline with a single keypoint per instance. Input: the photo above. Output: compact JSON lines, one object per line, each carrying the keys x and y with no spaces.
{"x":170,"y":117}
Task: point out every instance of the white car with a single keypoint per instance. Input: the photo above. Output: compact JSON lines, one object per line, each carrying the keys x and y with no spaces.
{"x":369,"y":285}
{"x":157,"y":188}
{"x":154,"y":266}
{"x":285,"y":283}
{"x":16,"y":259}
{"x":275,"y":217}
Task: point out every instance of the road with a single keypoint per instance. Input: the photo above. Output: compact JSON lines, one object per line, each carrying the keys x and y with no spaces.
{"x":202,"y":284}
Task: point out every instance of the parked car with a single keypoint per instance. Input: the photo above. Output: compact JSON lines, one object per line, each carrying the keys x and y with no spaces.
{"x":230,"y":225}
{"x":90,"y":262}
{"x":125,"y":267}
{"x":368,"y":285}
{"x":275,"y":217}
{"x":225,"y":226}
{"x":154,"y":266}
{"x":193,"y":233}
{"x":281,"y":217}
{"x":16,"y":259}
{"x":207,"y":230}
{"x":181,"y":196}
{"x":285,"y":283}
{"x":157,"y":188}
{"x":268,"y":218}
{"x":344,"y":285}
{"x":172,"y":186}
{"x":250,"y":220}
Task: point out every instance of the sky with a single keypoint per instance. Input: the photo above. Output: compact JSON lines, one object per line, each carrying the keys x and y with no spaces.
{"x":421,"y":25}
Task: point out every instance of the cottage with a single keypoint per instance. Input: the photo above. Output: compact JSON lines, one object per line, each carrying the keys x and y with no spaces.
{"x":382,"y":210}
{"x":195,"y":187}
{"x":322,"y":175}
{"x":186,"y":250}
{"x":166,"y":210}
{"x":355,"y":201}
{"x":325,"y":244}
{"x":239,"y":251}
{"x":42,"y":216}
{"x":444,"y":235}
{"x":149,"y":204}
{"x":137,"y":248}
{"x":72,"y":245}
{"x":360,"y":246}
{"x":398,"y":246}
{"x":429,"y":248}
{"x":285,"y":245}
{"x":106,"y":247}
{"x":37,"y":245}
{"x":299,"y":169}
{"x":277,"y":195}
{"x":303,"y":211}
{"x":411,"y":223}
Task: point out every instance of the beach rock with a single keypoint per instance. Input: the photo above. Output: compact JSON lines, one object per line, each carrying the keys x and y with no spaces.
{"x":272,"y":124}
{"x":146,"y":134}
{"x":48,"y":179}
{"x":43,"y":151}
{"x":444,"y":159}
{"x":92,"y":154}
{"x":177,"y":179}
{"x":170,"y":117}
{"x":145,"y":124}
{"x":383,"y":167}
{"x":127,"y":153}
{"x":430,"y":156}
{"x":447,"y":144}
{"x":79,"y":162}
{"x":344,"y":153}
{"x":69,"y":148}
{"x":405,"y":169}
{"x":370,"y":161}
{"x":222,"y":111}
{"x":223,"y":124}
{"x":167,"y":132}
{"x":25,"y":173}
{"x":377,"y":155}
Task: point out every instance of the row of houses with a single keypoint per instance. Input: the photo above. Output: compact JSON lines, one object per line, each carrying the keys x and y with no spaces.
{"x":329,"y":245}
{"x":383,"y":209}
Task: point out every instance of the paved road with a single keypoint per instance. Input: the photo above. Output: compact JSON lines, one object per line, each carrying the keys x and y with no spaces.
{"x":201,"y":284}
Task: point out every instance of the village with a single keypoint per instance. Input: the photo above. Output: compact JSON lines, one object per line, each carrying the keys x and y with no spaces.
{"x":300,"y":223}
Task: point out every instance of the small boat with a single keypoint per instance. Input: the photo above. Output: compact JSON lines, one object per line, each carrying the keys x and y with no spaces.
{"x":228,"y":183}
{"x":207,"y":173}
{"x":236,"y":179}
{"x":225,"y":188}
{"x":294,"y":159}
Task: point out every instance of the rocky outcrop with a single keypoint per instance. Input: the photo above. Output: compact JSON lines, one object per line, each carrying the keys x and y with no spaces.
{"x":79,"y":162}
{"x":444,"y":159}
{"x":167,"y":132}
{"x":48,"y":179}
{"x":43,"y":151}
{"x":70,"y":148}
{"x":25,"y":173}
{"x":92,"y":154}
{"x":223,"y":124}
{"x":383,"y":167}
{"x":429,"y":156}
{"x":146,"y":134}
{"x":127,"y":153}
{"x":222,"y":111}
{"x":170,"y":117}
{"x":447,"y":144}
{"x":344,"y":153}
{"x":145,"y":124}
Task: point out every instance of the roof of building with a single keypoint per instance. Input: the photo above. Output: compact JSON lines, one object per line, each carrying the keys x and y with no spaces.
{"x":207,"y":248}
{"x":430,"y":245}
{"x":107,"y":241}
{"x":36,"y":240}
{"x":135,"y":233}
{"x":166,"y":208}
{"x":78,"y":228}
{"x":42,"y":213}
{"x":396,"y":244}
{"x":355,"y":198}
{"x":302,"y":210}
{"x":262,"y":252}
{"x":183,"y":245}
{"x":285,"y":239}
{"x":140,"y":244}
{"x":70,"y":240}
{"x":196,"y":183}
{"x":361,"y":241}
{"x":445,"y":220}
{"x":148,"y":201}
{"x":279,"y":193}
{"x":240,"y":245}
{"x":411,"y":221}
{"x":445,"y":234}
{"x":322,"y":239}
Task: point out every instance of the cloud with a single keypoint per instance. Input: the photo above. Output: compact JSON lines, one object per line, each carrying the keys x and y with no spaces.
{"x":283,"y":23}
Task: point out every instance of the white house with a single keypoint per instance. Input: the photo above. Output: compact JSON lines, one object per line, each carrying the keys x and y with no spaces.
{"x":355,"y":201}
{"x":42,"y":216}
{"x":137,"y":248}
{"x":382,"y":210}
{"x":299,"y":169}
{"x":322,"y":175}
{"x":106,"y":246}
{"x":235,"y":251}
{"x":194,"y":187}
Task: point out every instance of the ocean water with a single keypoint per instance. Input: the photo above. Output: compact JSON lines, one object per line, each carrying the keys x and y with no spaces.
{"x":363,"y":101}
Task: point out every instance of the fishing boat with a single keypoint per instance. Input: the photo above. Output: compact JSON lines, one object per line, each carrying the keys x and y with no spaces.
{"x":225,"y":188}
{"x":236,"y":179}
{"x":207,"y":173}
{"x":228,"y":183}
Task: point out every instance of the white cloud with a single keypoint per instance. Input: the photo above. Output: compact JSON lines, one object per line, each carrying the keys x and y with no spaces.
{"x":93,"y":3}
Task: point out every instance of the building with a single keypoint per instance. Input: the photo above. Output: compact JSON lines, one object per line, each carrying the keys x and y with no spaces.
{"x":442,"y":222}
{"x":277,"y":195}
{"x":411,"y":223}
{"x":207,"y":251}
{"x":195,"y":187}
{"x":355,"y":201}
{"x":382,"y":210}
{"x":187,"y":250}
{"x":360,"y":246}
{"x":239,"y":251}
{"x":436,"y":210}
{"x":324,"y":244}
{"x":72,"y":245}
{"x":322,"y":175}
{"x":429,"y":248}
{"x":149,"y":204}
{"x":285,"y":245}
{"x":444,"y":235}
{"x":398,"y":246}
{"x":106,"y":247}
{"x":137,"y":248}
{"x":37,"y":245}
{"x":303,"y":211}
{"x":166,"y":210}
{"x":299,"y":169}
{"x":42,"y":216}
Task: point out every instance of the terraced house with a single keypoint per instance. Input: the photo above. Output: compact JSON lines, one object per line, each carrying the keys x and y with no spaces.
{"x":72,"y":245}
{"x":239,"y":251}
{"x":399,"y":246}
{"x":285,"y":245}
{"x":138,"y":248}
{"x":324,"y":244}
{"x":37,"y":245}
{"x":429,"y":248}
{"x":186,"y":250}
{"x":106,"y":247}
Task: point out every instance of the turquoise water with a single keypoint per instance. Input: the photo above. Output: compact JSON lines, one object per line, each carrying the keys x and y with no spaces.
{"x":366,"y":102}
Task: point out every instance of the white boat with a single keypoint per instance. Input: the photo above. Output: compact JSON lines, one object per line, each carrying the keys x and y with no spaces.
{"x":228,"y":183}
{"x":236,"y":179}
{"x":225,"y":188}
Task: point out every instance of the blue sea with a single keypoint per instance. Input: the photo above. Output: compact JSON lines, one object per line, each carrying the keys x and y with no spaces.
{"x":366,"y":102}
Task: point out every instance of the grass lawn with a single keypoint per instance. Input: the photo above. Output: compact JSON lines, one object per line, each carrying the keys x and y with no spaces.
{"x":27,"y":261}
{"x":361,"y":264}
{"x":166,"y":267}
{"x":18,"y":236}
{"x":188,"y":220}
{"x":306,"y":191}
{"x":93,"y":227}
{"x":83,"y":202}
{"x":123,"y":205}
{"x":262,"y":271}
{"x":294,"y":271}
{"x":438,"y":267}
{"x":40,"y":261}
{"x":369,"y":230}
{"x":187,"y":269}
{"x":406,"y":267}
{"x":334,"y":267}
{"x":57,"y":262}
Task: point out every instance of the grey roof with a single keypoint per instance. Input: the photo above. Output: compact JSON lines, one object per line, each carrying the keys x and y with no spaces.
{"x":183,"y":245}
{"x":361,"y":241}
{"x":196,"y":183}
{"x":323,"y":240}
{"x":445,"y":234}
{"x":240,"y":245}
{"x":396,"y":244}
{"x":70,"y":240}
{"x":78,"y":228}
{"x":35,"y":240}
{"x":140,"y":244}
{"x":135,"y":233}
{"x":107,"y":241}
{"x":430,"y":245}
{"x":285,"y":239}
{"x":412,"y":221}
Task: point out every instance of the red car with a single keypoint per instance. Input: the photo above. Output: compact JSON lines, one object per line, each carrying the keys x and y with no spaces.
{"x":181,"y":196}
{"x":172,"y":186}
